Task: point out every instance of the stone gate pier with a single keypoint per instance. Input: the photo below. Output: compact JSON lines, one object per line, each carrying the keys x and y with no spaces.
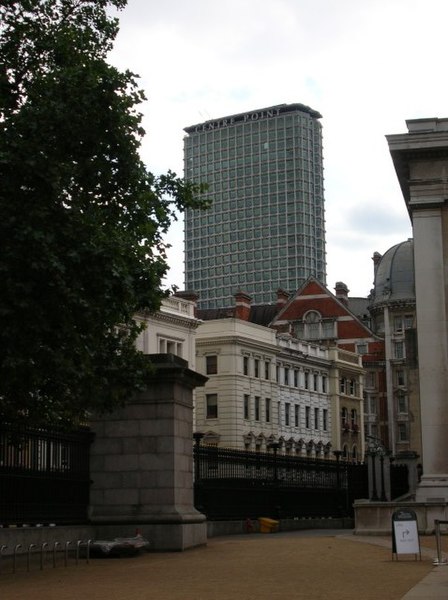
{"x":142,"y":463}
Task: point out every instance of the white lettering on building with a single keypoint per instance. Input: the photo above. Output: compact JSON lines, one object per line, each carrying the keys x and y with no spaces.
{"x":248,"y":117}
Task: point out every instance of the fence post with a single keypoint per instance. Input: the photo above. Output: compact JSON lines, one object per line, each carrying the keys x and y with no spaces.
{"x":374,"y":492}
{"x":276,"y":508}
{"x":338,"y":454}
{"x":383,"y":489}
{"x":275,"y":446}
{"x":197,"y":444}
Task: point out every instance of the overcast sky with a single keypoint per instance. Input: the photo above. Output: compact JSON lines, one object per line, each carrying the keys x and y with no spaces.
{"x":366,"y":65}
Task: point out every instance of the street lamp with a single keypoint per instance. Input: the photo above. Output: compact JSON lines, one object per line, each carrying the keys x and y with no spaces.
{"x":376,"y":448}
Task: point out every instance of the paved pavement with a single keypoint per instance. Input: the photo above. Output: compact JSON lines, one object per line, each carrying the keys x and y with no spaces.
{"x":432,"y":587}
{"x":300,"y":565}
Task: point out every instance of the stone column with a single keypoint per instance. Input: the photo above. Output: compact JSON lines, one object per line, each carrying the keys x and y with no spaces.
{"x":142,"y":463}
{"x":421,"y":161}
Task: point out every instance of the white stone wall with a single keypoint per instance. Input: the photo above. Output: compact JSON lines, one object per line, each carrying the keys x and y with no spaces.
{"x":233,"y":341}
{"x":171,"y":330}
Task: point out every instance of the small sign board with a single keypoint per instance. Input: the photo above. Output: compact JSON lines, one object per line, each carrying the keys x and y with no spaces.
{"x":405,"y":538}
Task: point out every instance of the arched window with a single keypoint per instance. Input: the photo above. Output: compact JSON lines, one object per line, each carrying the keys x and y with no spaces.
{"x":313,"y":327}
{"x":344,"y":418}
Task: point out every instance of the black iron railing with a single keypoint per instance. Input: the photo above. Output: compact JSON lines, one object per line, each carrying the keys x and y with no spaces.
{"x":237,"y":484}
{"x":227,"y":463}
{"x":399,"y":480}
{"x":44,"y":475}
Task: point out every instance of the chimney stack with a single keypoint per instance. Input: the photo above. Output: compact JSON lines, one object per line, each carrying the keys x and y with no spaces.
{"x":282,"y":298}
{"x":342,"y":292}
{"x":242,"y":305}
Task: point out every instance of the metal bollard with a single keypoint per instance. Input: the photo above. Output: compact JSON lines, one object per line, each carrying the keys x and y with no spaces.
{"x":67,"y":544}
{"x":439,"y":561}
{"x":30,"y":547}
{"x":78,"y":544}
{"x":55,"y":547}
{"x":3,"y":547}
{"x":43,"y":549}
{"x":88,"y":551}
{"x":14,"y":563}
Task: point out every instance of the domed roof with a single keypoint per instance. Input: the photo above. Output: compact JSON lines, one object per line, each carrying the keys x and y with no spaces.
{"x":394,"y":275}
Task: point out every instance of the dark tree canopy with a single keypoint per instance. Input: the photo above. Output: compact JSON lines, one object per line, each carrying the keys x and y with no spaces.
{"x":81,"y":218}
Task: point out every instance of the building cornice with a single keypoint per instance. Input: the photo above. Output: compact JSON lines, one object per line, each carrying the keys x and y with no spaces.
{"x":377,"y":307}
{"x":178,"y":321}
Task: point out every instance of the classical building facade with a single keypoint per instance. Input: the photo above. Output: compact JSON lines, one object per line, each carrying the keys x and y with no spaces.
{"x":171,"y":330}
{"x":265,"y":227}
{"x":392,"y":383}
{"x":381,"y":329}
{"x":313,"y":313}
{"x":420,"y":158}
{"x":268,"y":386}
{"x":260,"y":389}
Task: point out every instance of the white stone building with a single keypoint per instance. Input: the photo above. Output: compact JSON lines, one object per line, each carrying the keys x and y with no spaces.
{"x":263,"y":386}
{"x":171,"y":330}
{"x":268,"y":387}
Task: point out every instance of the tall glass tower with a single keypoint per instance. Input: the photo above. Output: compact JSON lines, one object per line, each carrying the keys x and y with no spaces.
{"x":266,"y":226}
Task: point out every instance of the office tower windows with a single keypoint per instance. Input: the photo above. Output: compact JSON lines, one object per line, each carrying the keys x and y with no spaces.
{"x":266,"y":226}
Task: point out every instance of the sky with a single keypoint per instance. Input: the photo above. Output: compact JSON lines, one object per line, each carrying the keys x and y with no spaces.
{"x":366,"y":65}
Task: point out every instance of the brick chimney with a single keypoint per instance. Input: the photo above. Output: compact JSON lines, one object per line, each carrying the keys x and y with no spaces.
{"x":282,"y":298}
{"x":342,"y":292}
{"x":242,"y":305}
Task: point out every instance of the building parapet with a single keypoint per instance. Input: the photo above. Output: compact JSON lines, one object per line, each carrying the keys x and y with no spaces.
{"x":346,"y":356}
{"x":179,"y":306}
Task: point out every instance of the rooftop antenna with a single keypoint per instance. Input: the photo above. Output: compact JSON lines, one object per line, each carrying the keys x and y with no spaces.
{"x":204,"y":114}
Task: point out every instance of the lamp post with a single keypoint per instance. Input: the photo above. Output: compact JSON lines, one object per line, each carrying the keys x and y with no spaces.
{"x":376,"y":448}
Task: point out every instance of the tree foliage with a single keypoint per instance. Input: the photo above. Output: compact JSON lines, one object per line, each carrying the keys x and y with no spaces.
{"x":81,"y":218}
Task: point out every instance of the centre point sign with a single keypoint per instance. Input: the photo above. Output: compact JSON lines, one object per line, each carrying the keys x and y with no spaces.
{"x":243,"y":118}
{"x":252,"y":116}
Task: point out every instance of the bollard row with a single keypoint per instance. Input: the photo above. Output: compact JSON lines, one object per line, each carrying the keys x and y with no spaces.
{"x":43,"y":549}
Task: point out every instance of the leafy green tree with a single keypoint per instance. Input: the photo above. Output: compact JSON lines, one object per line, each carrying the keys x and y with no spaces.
{"x":81,"y":218}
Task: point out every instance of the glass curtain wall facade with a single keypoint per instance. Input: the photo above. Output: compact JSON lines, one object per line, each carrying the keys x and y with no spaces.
{"x":266,"y":226}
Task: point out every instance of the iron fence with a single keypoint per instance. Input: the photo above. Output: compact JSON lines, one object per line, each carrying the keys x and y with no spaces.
{"x":238,"y":484}
{"x":399,"y":480}
{"x":44,"y":475}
